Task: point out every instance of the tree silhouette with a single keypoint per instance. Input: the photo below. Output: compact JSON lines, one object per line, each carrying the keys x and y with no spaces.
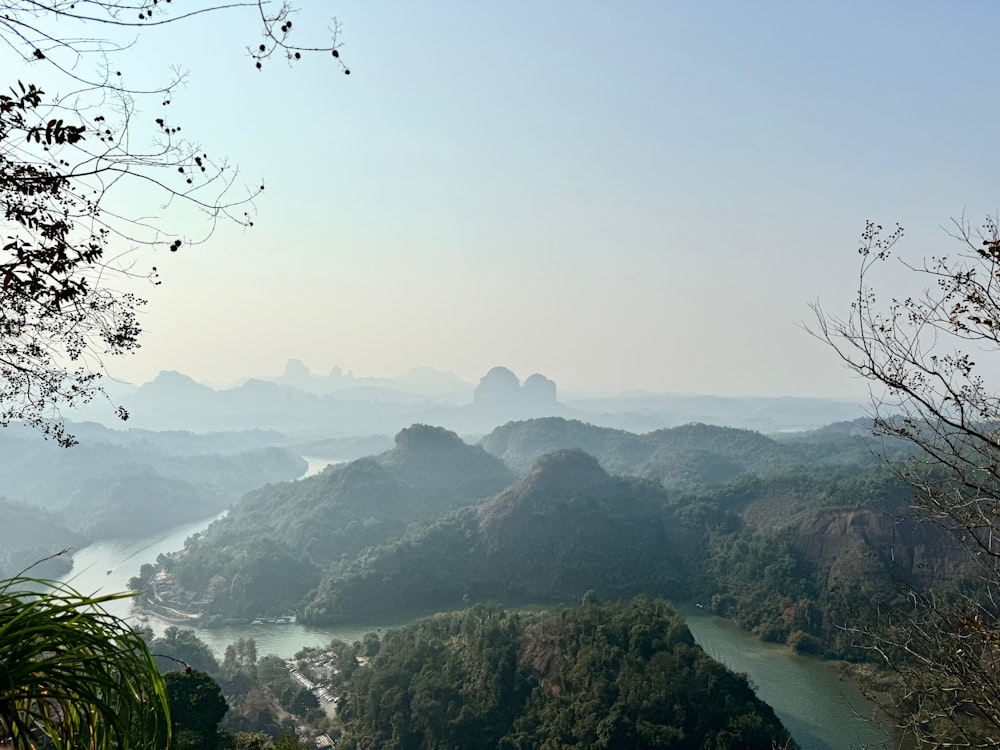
{"x":196,"y":708}
{"x":923,"y":356}
{"x":70,"y":166}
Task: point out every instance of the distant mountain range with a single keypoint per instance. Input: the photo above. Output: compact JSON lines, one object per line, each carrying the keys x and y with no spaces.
{"x":306,"y":406}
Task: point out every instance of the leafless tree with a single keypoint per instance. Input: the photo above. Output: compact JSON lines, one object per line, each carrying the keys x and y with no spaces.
{"x":927,"y":358}
{"x":68,"y":256}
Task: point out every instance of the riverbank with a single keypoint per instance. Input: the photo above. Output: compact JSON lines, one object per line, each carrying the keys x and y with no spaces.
{"x":822,"y":709}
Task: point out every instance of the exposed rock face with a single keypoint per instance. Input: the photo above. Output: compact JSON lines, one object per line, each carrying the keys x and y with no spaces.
{"x":498,"y":386}
{"x":857,"y":544}
{"x":540,"y":389}
{"x":501,"y":395}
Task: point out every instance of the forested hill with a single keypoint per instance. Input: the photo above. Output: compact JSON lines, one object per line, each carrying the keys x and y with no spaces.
{"x":27,"y":535}
{"x":565,"y":528}
{"x":117,"y":483}
{"x":304,"y":527}
{"x":221,"y":467}
{"x":783,"y":535}
{"x":691,"y":454}
{"x":596,"y":676}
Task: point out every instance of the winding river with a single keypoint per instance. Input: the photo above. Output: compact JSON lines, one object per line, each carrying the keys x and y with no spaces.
{"x":822,"y":710}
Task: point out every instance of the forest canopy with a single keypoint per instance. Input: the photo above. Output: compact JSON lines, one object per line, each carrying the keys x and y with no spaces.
{"x":595,"y":675}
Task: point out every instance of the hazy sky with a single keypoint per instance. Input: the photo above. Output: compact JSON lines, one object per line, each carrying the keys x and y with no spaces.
{"x":617,"y":195}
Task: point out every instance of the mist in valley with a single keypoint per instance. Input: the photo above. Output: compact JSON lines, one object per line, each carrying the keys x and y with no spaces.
{"x":562,"y":388}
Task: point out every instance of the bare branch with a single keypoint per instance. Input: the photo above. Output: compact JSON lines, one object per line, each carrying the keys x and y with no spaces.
{"x":68,"y":253}
{"x":920,"y":355}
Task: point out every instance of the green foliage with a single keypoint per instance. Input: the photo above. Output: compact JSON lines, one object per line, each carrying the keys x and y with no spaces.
{"x":196,"y":708}
{"x":180,"y":647}
{"x":786,"y":536}
{"x":630,"y":675}
{"x":565,"y":528}
{"x":792,"y":555}
{"x":266,"y":579}
{"x":287,"y":741}
{"x":601,"y":676}
{"x":338,"y":544}
{"x":299,"y":701}
{"x":370,"y":644}
{"x":72,"y":673}
{"x":271,"y":669}
{"x":254,"y":710}
{"x":271,"y":548}
{"x":689,"y":455}
{"x":250,"y":740}
{"x":451,"y":680}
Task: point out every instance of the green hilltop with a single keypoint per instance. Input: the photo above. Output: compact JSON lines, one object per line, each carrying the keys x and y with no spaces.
{"x":782,"y":534}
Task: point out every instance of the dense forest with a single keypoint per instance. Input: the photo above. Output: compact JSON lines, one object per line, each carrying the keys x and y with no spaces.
{"x":565,"y":528}
{"x":595,"y":676}
{"x":786,"y":536}
{"x":791,"y":538}
{"x":282,"y":537}
{"x":28,"y":535}
{"x":592,"y":675}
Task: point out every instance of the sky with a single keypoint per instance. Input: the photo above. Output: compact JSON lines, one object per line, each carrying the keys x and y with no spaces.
{"x":621,"y":196}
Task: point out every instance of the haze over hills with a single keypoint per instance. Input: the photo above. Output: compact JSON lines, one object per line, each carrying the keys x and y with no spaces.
{"x":311,"y":407}
{"x":419,"y":381}
{"x":544,"y":507}
{"x":785,"y":534}
{"x":297,"y":530}
{"x":28,"y":535}
{"x":758,"y":528}
{"x":122,"y":483}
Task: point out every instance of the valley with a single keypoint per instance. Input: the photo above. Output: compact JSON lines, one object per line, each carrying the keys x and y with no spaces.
{"x":758,"y":528}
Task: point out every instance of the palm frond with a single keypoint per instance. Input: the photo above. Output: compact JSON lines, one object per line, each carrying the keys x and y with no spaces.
{"x":73,"y":674}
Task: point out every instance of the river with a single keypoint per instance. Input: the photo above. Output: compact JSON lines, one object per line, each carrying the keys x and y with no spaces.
{"x":822,"y":710}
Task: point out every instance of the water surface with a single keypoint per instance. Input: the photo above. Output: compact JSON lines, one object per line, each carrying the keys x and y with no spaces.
{"x":822,"y":710}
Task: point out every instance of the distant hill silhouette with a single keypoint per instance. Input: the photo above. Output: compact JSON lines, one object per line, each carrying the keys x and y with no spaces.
{"x":310,"y":407}
{"x":126,"y":482}
{"x":693,"y":453}
{"x":28,"y":535}
{"x":644,"y":412}
{"x":419,"y":382}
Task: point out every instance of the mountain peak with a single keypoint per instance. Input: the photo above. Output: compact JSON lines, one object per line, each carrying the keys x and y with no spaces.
{"x":570,"y":462}
{"x":423,"y":436}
